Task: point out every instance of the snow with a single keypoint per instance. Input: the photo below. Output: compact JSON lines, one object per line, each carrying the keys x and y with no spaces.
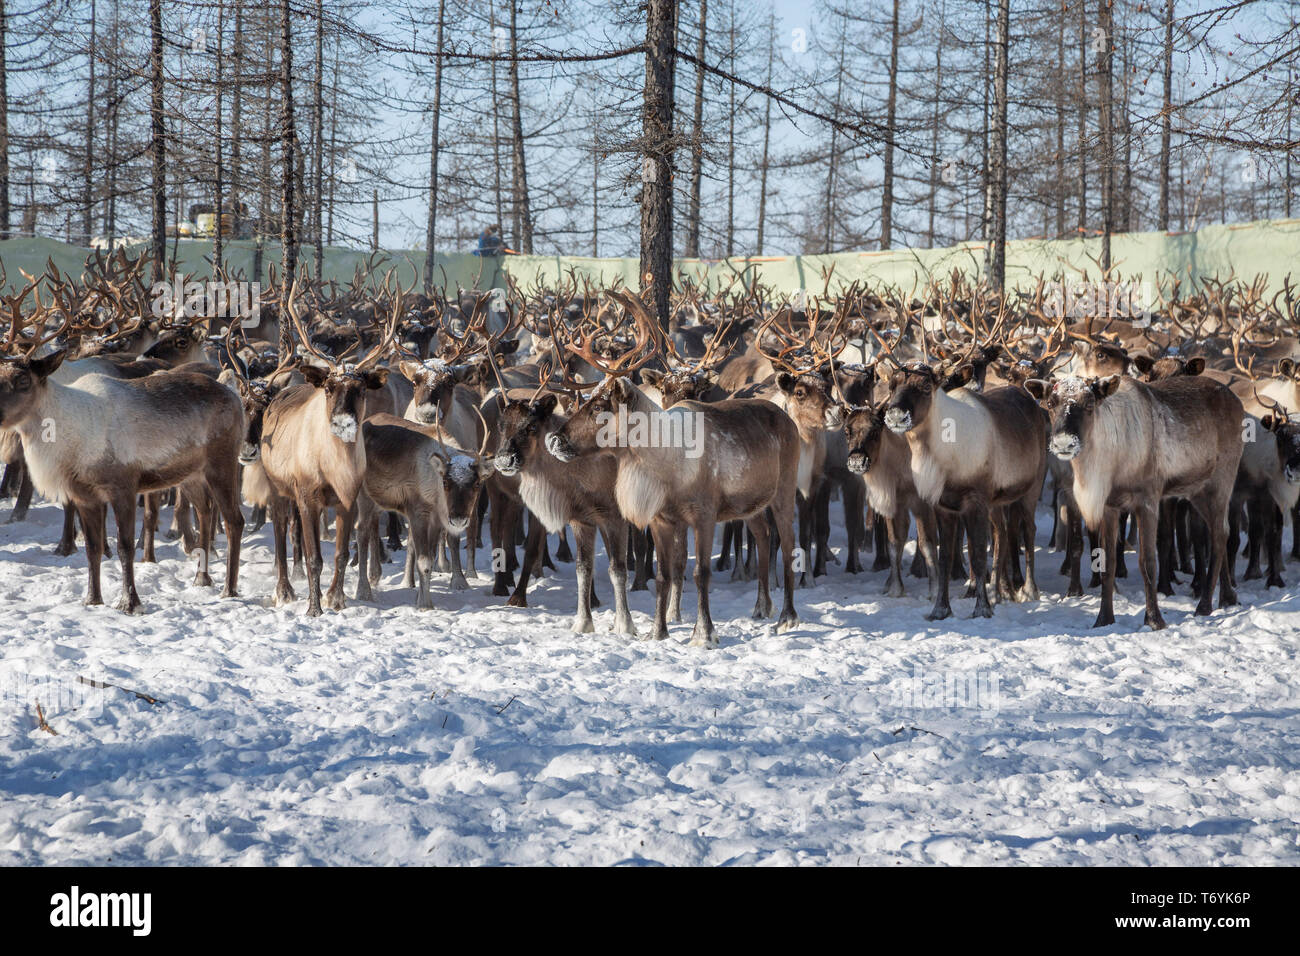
{"x":478,"y":733}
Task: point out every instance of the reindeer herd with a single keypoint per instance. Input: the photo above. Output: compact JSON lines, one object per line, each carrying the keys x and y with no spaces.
{"x":947,"y":414}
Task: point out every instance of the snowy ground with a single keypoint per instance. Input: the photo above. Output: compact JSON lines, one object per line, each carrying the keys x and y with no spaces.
{"x":477,"y":733}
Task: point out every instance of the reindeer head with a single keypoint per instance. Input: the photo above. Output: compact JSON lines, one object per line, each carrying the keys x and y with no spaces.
{"x":1071,"y":403}
{"x":462,"y":479}
{"x":582,"y":433}
{"x":524,"y":427}
{"x":864,"y":427}
{"x":1287,"y":433}
{"x":680,"y":385}
{"x":911,"y":394}
{"x":435,"y":381}
{"x":1168,"y":366}
{"x":22,"y":381}
{"x":256,"y":396}
{"x":175,"y":347}
{"x":808,"y":399}
{"x":1100,"y":359}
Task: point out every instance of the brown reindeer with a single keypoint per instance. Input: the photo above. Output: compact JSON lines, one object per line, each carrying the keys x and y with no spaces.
{"x":103,"y":441}
{"x":1130,"y":445}
{"x":970,"y":453}
{"x":313,"y":457}
{"x":746,"y":461}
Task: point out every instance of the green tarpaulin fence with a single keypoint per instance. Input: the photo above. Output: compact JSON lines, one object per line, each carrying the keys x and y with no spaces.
{"x":1246,"y":250}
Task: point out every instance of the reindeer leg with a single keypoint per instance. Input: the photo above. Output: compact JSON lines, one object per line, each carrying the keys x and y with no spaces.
{"x":148,"y":527}
{"x":821,"y":518}
{"x":25,"y":490}
{"x":562,"y":550}
{"x":895,"y":525}
{"x":202,"y":578}
{"x":280,"y":527}
{"x":854,"y":495}
{"x":679,"y":575}
{"x":615,"y":533}
{"x":702,"y":635}
{"x":223,"y":487}
{"x":804,"y":508}
{"x":501,"y":528}
{"x":367,"y":543}
{"x":1074,"y":553}
{"x":1145,"y":518}
{"x":532,"y":549}
{"x":947,"y":521}
{"x":1273,"y":538}
{"x":758,"y":526}
{"x":344,"y":519}
{"x":124,"y":513}
{"x":641,"y":545}
{"x":724,"y":557}
{"x":309,"y":512}
{"x":1028,"y":587}
{"x":458,"y":582}
{"x":92,"y":522}
{"x":1109,"y":533}
{"x":423,"y":536}
{"x":783,"y":508}
{"x":258,"y":518}
{"x":927,"y":543}
{"x":68,"y":542}
{"x":665,"y":539}
{"x":1255,"y":536}
{"x":880,"y":531}
{"x":394,"y":531}
{"x":977,"y":524}
{"x":299,"y":544}
{"x":584,"y":536}
{"x":1165,"y":547}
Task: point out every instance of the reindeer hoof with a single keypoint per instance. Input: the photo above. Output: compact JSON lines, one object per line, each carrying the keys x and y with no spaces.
{"x":1104,"y":620}
{"x":1027,"y":593}
{"x":1154,"y":621}
{"x":706,"y":642}
{"x":1275,"y":581}
{"x":63,"y":550}
{"x":626,"y":628}
{"x":458,"y":583}
{"x":762,"y":610}
{"x":895,"y":590}
{"x":335,"y":601}
{"x":939,"y":613}
{"x":229,"y":592}
{"x":203,"y":580}
{"x":517,"y":600}
{"x":129,"y":604}
{"x":788,"y":621}
{"x":982,"y":610}
{"x":584,"y":627}
{"x":364,"y":593}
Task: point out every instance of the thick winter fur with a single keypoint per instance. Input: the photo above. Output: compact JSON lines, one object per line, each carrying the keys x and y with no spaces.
{"x":1131,"y":444}
{"x":749,"y":462}
{"x":579,"y":494}
{"x":101,"y":441}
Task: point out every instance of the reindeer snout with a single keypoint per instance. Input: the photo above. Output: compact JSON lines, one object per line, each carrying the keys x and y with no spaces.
{"x":457,"y":525}
{"x":249,"y":453}
{"x":426,"y":414}
{"x":1292,"y":473}
{"x":506,"y":463}
{"x":898,"y":420}
{"x":858,"y":463}
{"x":1065,"y":446}
{"x":344,"y":428}
{"x":559,"y":446}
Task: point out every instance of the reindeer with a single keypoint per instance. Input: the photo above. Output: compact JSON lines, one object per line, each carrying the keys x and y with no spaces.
{"x":434,"y":485}
{"x":1131,"y":445}
{"x":582,"y":497}
{"x":747,"y":462}
{"x":1267,"y":487}
{"x":101,"y":441}
{"x":971,"y":452}
{"x":312,"y":456}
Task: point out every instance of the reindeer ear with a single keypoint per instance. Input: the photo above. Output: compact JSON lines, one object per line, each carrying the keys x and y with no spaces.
{"x":485,"y":467}
{"x":1038,"y":388}
{"x":1195,"y":366}
{"x":710,"y":379}
{"x":439,"y":464}
{"x":315,"y":375}
{"x":376,"y":378}
{"x":47,"y":366}
{"x":785,"y":381}
{"x":959,"y":376}
{"x":410,"y":370}
{"x":1107,"y":386}
{"x":1269,"y":423}
{"x":1143,"y":363}
{"x":652,"y":377}
{"x":507,"y":347}
{"x":546,"y":404}
{"x":1285,"y":368}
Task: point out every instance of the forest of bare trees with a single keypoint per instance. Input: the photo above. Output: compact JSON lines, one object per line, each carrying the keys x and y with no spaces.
{"x":702,"y":128}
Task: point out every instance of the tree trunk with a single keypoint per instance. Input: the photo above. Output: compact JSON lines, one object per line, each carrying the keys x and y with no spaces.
{"x":288,"y":176}
{"x":767,"y":138}
{"x":237,"y":121}
{"x":431,"y":232}
{"x":1083,"y":118}
{"x":891,"y":109}
{"x":4,"y":123}
{"x":522,"y":210}
{"x":935,"y":120}
{"x":157,"y":141}
{"x":697,"y":149}
{"x":1060,"y":129}
{"x":1166,"y":117}
{"x":88,"y":198}
{"x":318,"y":135}
{"x":218,"y":158}
{"x":657,"y":164}
{"x":998,"y":149}
{"x":1107,"y":120}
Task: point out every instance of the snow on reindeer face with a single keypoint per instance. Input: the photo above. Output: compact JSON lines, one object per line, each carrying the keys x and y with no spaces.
{"x":1071,"y":403}
{"x":345,"y":396}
